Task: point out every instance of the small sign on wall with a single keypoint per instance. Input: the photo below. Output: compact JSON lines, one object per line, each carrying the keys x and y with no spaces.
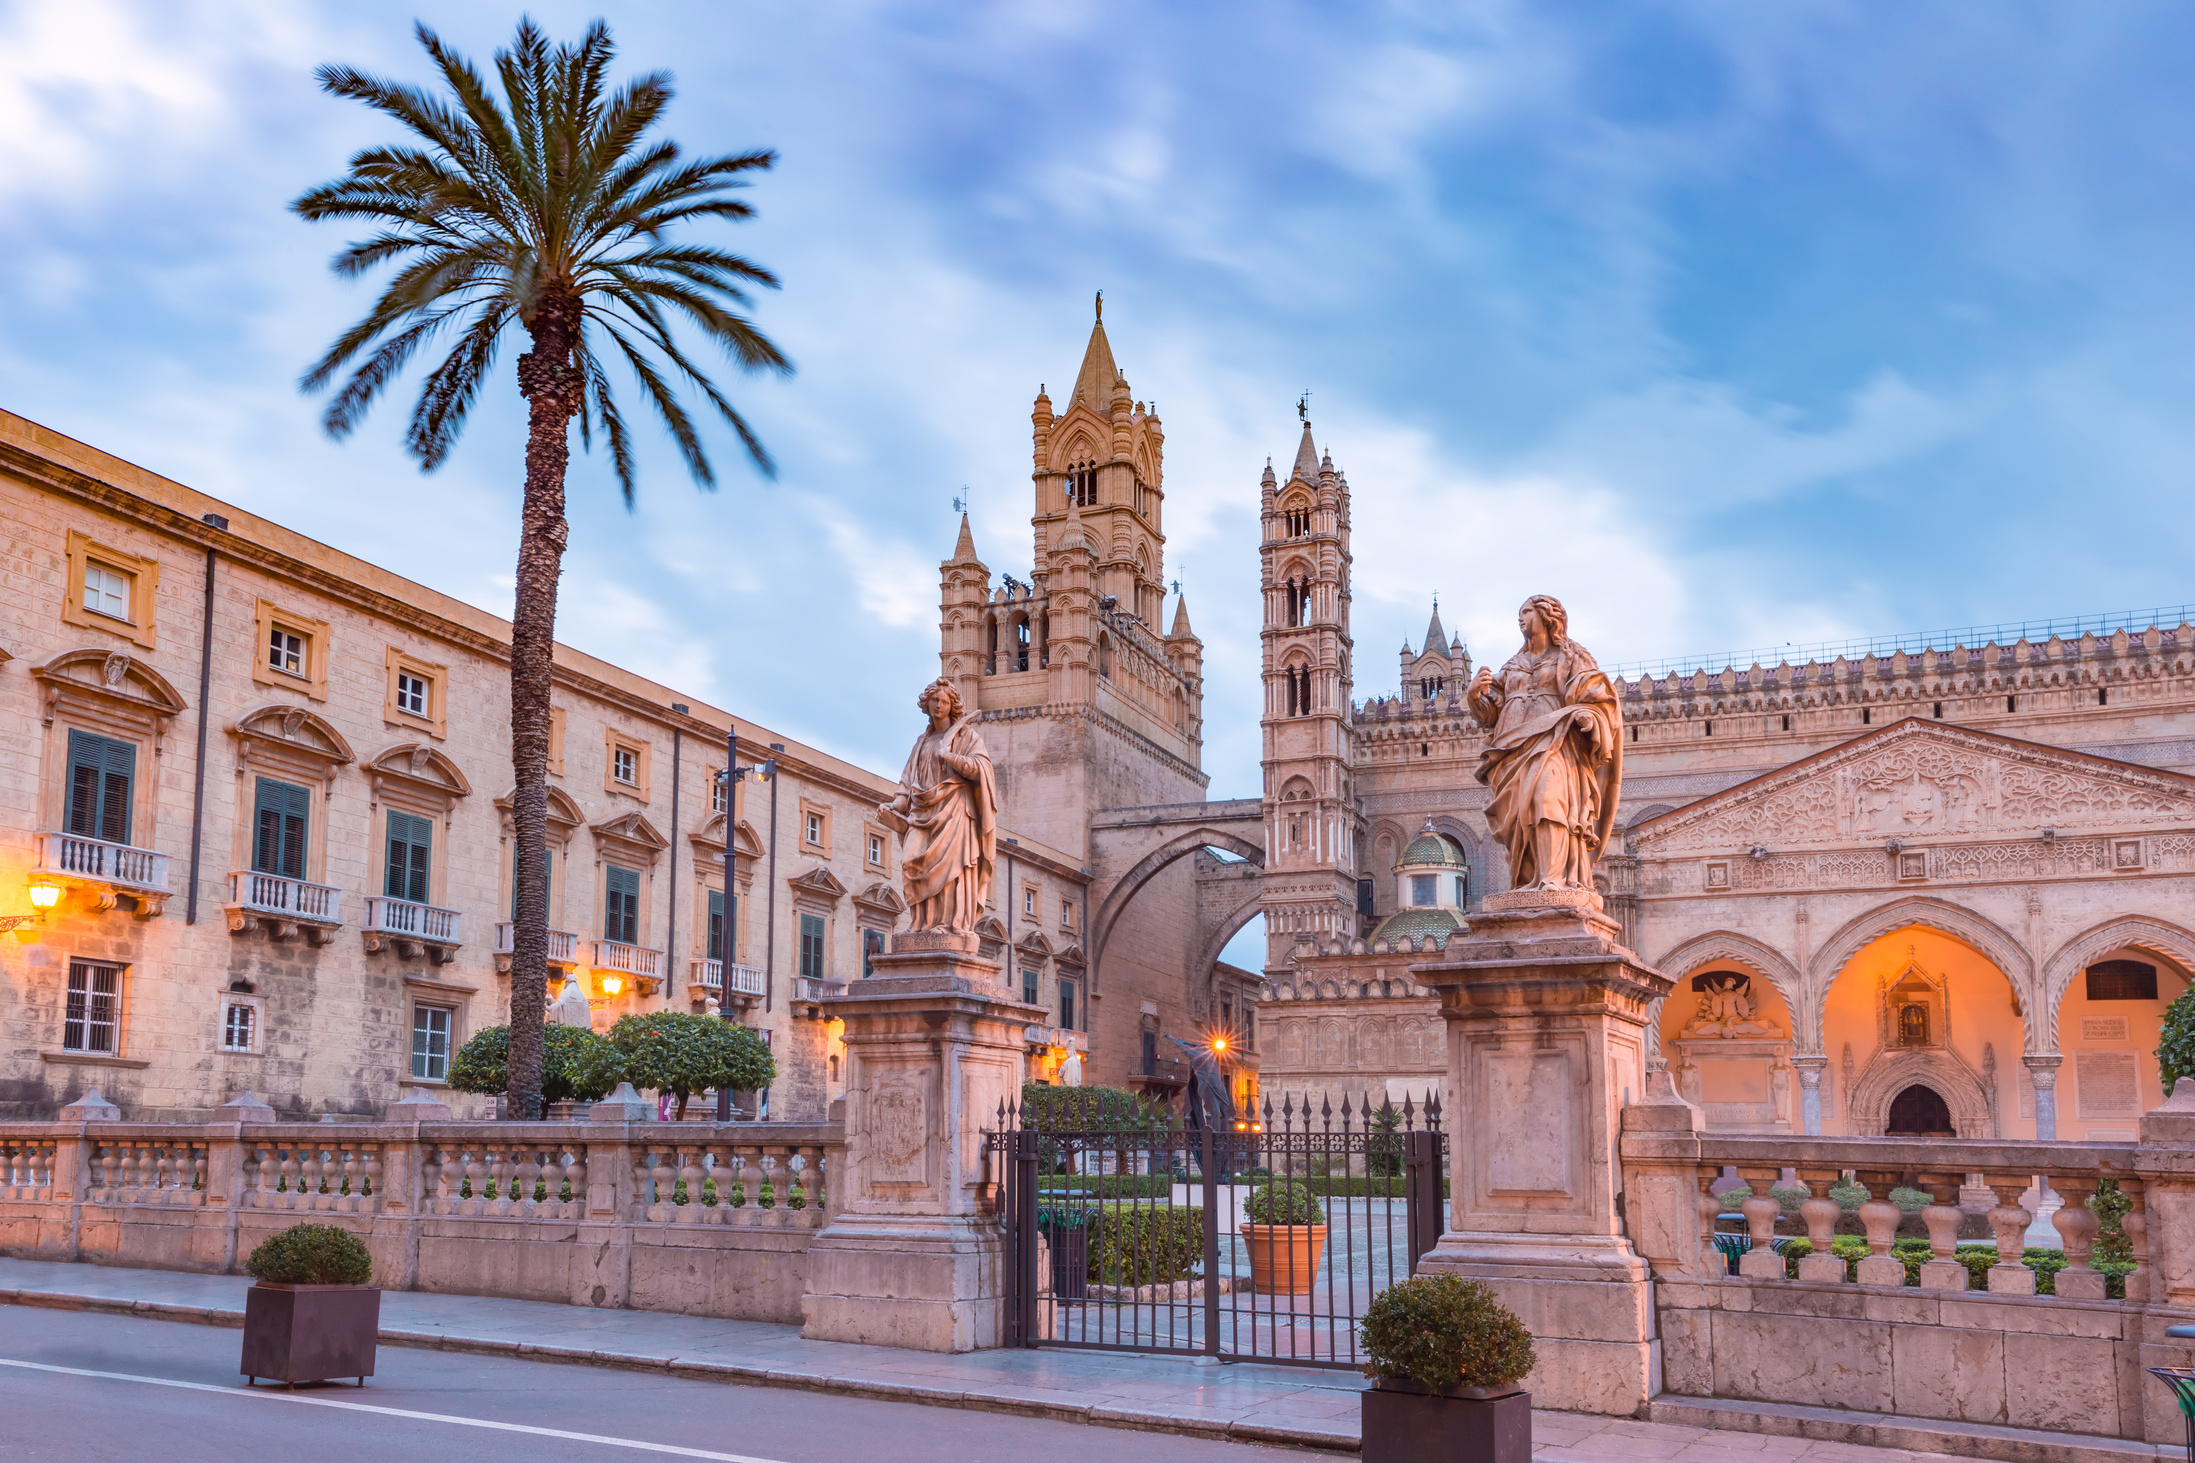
{"x":2108,"y":1082}
{"x":2103,"y":1028}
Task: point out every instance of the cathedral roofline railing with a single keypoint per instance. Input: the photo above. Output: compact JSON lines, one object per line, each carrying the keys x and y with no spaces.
{"x":1972,"y":638}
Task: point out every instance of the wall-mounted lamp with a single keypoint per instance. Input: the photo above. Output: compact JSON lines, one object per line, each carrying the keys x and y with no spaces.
{"x":44,"y":895}
{"x":611,"y":985}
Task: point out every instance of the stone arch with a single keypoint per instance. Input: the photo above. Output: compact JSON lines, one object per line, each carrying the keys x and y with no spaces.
{"x":2142,"y":931}
{"x":1228,"y":927}
{"x":1941,"y":1070}
{"x":1701,"y":951}
{"x":1984,"y":936}
{"x":1649,"y":812}
{"x":1126,"y":888}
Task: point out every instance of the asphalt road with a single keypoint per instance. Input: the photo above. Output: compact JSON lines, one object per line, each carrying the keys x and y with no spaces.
{"x":433,"y":1405}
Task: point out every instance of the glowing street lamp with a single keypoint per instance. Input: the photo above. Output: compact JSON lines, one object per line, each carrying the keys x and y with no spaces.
{"x":44,"y":895}
{"x":611,"y":985}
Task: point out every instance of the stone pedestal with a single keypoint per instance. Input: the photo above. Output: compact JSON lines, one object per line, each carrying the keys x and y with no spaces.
{"x":913,"y":1255}
{"x":1547,"y":1034}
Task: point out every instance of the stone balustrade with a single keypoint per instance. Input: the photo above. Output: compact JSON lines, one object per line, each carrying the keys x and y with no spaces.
{"x":705,"y":1218}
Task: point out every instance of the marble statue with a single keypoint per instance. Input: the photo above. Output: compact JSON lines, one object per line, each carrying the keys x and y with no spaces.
{"x":570,"y":1007}
{"x":1554,"y":752}
{"x":946,"y":812}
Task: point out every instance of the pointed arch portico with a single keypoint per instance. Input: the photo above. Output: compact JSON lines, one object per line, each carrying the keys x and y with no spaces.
{"x":1701,"y":951}
{"x":1180,"y":846}
{"x":1979,"y":933}
{"x":2140,"y":931}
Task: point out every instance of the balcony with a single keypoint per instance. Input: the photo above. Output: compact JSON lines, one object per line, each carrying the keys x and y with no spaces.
{"x":413,"y":929}
{"x":615,"y":957}
{"x":741,"y":983}
{"x":563,"y":947}
{"x":285,"y":908}
{"x":1057,"y":1037}
{"x":105,"y":871}
{"x":809,"y":993}
{"x":1166,"y":1072}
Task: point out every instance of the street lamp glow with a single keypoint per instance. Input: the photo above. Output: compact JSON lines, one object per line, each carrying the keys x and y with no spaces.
{"x":1219,"y":1043}
{"x":611,"y":985}
{"x":44,"y":895}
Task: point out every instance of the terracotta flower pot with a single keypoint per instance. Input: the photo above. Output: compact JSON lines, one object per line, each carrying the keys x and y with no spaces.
{"x":1284,"y":1258}
{"x":1404,"y":1423}
{"x":310,"y":1333}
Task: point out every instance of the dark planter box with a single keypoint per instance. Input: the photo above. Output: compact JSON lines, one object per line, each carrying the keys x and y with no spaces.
{"x":310,"y":1333}
{"x":1070,"y":1261}
{"x":1404,"y":1423}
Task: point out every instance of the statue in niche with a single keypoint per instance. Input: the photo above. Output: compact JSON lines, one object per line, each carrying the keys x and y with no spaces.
{"x":1726,"y":1008}
{"x":1554,"y":752}
{"x":946,"y":813}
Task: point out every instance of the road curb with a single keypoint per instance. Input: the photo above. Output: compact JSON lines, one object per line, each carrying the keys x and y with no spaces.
{"x":1096,"y":1415}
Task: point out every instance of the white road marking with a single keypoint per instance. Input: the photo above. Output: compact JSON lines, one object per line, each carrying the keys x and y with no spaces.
{"x":284,"y":1395}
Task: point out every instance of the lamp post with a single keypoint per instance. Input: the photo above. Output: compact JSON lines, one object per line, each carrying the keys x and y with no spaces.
{"x":44,"y":895}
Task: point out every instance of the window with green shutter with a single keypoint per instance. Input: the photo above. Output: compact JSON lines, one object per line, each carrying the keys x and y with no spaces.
{"x":281,"y":813}
{"x":100,"y":772}
{"x":621,"y":905}
{"x":410,"y":839}
{"x":811,"y":946}
{"x":723,"y":932}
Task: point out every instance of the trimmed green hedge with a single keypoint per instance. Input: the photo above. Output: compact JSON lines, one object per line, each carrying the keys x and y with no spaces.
{"x":311,"y":1254}
{"x":1142,"y":1244}
{"x":1914,"y":1253}
{"x":1159,"y":1185}
{"x":1443,"y":1331}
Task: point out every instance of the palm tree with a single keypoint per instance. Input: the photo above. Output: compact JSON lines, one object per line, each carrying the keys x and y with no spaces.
{"x":545,"y":210}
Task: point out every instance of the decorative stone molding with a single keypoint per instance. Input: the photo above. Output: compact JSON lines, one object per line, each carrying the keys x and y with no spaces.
{"x":1939,"y":1069}
{"x":108,"y":686}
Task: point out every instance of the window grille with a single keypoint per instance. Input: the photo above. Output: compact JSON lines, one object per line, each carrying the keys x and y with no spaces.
{"x":94,"y":1004}
{"x":431,"y":1042}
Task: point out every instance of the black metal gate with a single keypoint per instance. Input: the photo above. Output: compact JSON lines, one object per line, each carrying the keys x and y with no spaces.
{"x":1144,"y":1230}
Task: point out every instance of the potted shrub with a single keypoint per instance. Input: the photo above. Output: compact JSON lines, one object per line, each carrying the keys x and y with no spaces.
{"x":1285,"y":1231}
{"x":314,"y":1315}
{"x":1447,"y":1358}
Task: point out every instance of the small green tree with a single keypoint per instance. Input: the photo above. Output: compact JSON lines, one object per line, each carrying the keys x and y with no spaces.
{"x":2176,"y":1045}
{"x":1086,"y":1119}
{"x":681,"y":1053}
{"x":577,"y":1064}
{"x":1383,"y":1144}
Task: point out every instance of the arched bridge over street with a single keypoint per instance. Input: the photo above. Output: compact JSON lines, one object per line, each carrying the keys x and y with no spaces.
{"x":1129,"y":846}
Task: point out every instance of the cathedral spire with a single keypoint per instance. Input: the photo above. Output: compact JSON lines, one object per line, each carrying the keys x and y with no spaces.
{"x":1436,"y":639}
{"x":1307,"y":459}
{"x":1094,"y":382}
{"x":964,"y":551}
{"x":1181,"y":617}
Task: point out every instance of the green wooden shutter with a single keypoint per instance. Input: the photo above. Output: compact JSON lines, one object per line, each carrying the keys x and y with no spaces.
{"x":411,"y":840}
{"x":717,"y":945}
{"x":282,"y":811}
{"x":811,"y":946}
{"x":621,"y":906}
{"x":100,"y":772}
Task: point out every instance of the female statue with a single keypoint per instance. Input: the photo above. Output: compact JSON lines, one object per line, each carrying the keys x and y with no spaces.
{"x":1554,"y":752}
{"x":947,"y":814}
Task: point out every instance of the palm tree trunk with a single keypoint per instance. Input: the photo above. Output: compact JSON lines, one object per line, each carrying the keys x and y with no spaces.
{"x":551,"y":386}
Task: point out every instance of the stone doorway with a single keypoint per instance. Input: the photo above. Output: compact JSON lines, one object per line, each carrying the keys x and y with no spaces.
{"x":1920,"y":1112}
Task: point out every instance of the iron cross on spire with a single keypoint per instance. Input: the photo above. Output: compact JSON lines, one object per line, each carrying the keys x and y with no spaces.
{"x":960,"y":504}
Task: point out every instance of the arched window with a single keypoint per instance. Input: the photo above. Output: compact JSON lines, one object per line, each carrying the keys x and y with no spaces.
{"x":1082,"y":484}
{"x":1913,"y":1024}
{"x":1021,"y":642}
{"x":1105,"y":656}
{"x":990,"y":645}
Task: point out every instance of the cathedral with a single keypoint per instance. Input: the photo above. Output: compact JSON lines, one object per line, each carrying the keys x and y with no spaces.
{"x":1914,"y":889}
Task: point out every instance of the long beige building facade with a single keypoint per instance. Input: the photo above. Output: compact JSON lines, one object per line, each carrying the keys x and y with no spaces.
{"x":264,"y":785}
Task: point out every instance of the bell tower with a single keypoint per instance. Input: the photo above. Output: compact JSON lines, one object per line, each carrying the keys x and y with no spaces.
{"x":1312,"y":827}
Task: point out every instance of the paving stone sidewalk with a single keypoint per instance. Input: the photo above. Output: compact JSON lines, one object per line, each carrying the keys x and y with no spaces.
{"x":1246,"y":1403}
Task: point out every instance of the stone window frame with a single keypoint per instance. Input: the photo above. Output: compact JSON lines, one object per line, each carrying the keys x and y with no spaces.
{"x":435,"y":722}
{"x":1067,"y":914}
{"x":267,"y":617}
{"x":258,"y":1007}
{"x":615,"y":741}
{"x":707,"y":870}
{"x":144,"y":576}
{"x":414,"y":1001}
{"x":565,"y":819}
{"x":819,"y":846}
{"x":423,"y":782}
{"x":125,"y":700}
{"x":876,"y":849}
{"x":283,"y":753}
{"x":122,"y":1004}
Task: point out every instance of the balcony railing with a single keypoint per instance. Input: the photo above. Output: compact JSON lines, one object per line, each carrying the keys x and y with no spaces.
{"x":409,"y":921}
{"x":1056,"y":1036}
{"x":563,"y":944}
{"x":118,"y":864}
{"x":808,"y":991}
{"x":628,"y":959}
{"x":287,"y":898}
{"x":710,"y":975}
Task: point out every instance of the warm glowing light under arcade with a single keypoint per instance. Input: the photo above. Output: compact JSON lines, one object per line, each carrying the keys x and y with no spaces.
{"x":45,"y":896}
{"x":611,"y":985}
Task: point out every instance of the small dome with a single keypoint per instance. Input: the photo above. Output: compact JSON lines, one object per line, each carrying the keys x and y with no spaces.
{"x":1430,"y":850}
{"x":1438,"y":922}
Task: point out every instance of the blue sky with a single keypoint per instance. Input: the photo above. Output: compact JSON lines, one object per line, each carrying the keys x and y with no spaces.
{"x":1731,"y":324}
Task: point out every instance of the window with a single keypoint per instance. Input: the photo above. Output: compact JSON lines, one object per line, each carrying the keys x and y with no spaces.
{"x":720,"y":791}
{"x":239,"y":1027}
{"x":625,"y":766}
{"x":815,"y":828}
{"x":1250,"y":1028}
{"x":2122,"y":980}
{"x":621,"y":905}
{"x":1462,"y":884}
{"x":1066,"y":915}
{"x":286,"y":652}
{"x":1029,"y":987}
{"x":416,"y":693}
{"x":1421,"y":888}
{"x":811,"y":946}
{"x":1867,"y":715}
{"x":281,"y":812}
{"x":1029,"y":901}
{"x":95,"y":999}
{"x":718,"y":926}
{"x":100,"y":772}
{"x":1227,"y":1013}
{"x":409,"y":841}
{"x":1067,"y":1005}
{"x":1150,"y":1052}
{"x":872,"y":945}
{"x":2012,"y":703}
{"x":431,"y":1042}
{"x":106,"y":591}
{"x":876,"y":850}
{"x":411,"y":693}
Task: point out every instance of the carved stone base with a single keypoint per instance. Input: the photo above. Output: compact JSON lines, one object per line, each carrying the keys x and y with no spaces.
{"x":242,"y":921}
{"x":918,"y":942}
{"x":1515,"y":899}
{"x":912,"y":1255}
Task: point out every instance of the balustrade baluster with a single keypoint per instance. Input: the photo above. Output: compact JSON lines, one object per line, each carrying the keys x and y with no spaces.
{"x":1943,"y":1270}
{"x":435,"y":1183}
{"x":290,"y":1180}
{"x":2077,"y":1224}
{"x":575,"y":1175}
{"x":1713,"y":1264}
{"x":1760,"y":1209}
{"x":643,"y":1184}
{"x":1821,"y":1214}
{"x":689,"y":1174}
{"x":198,"y":1176}
{"x":1881,"y":1218}
{"x":374,"y":1176}
{"x":110,"y":1170}
{"x":476,"y":1181}
{"x":661,"y":1171}
{"x":262,"y":1167}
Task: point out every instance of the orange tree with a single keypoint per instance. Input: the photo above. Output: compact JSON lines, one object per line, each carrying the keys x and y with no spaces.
{"x":542,"y":204}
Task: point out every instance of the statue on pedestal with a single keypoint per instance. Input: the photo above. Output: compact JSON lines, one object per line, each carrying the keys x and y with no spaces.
{"x":1554,"y":752}
{"x":946,"y":813}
